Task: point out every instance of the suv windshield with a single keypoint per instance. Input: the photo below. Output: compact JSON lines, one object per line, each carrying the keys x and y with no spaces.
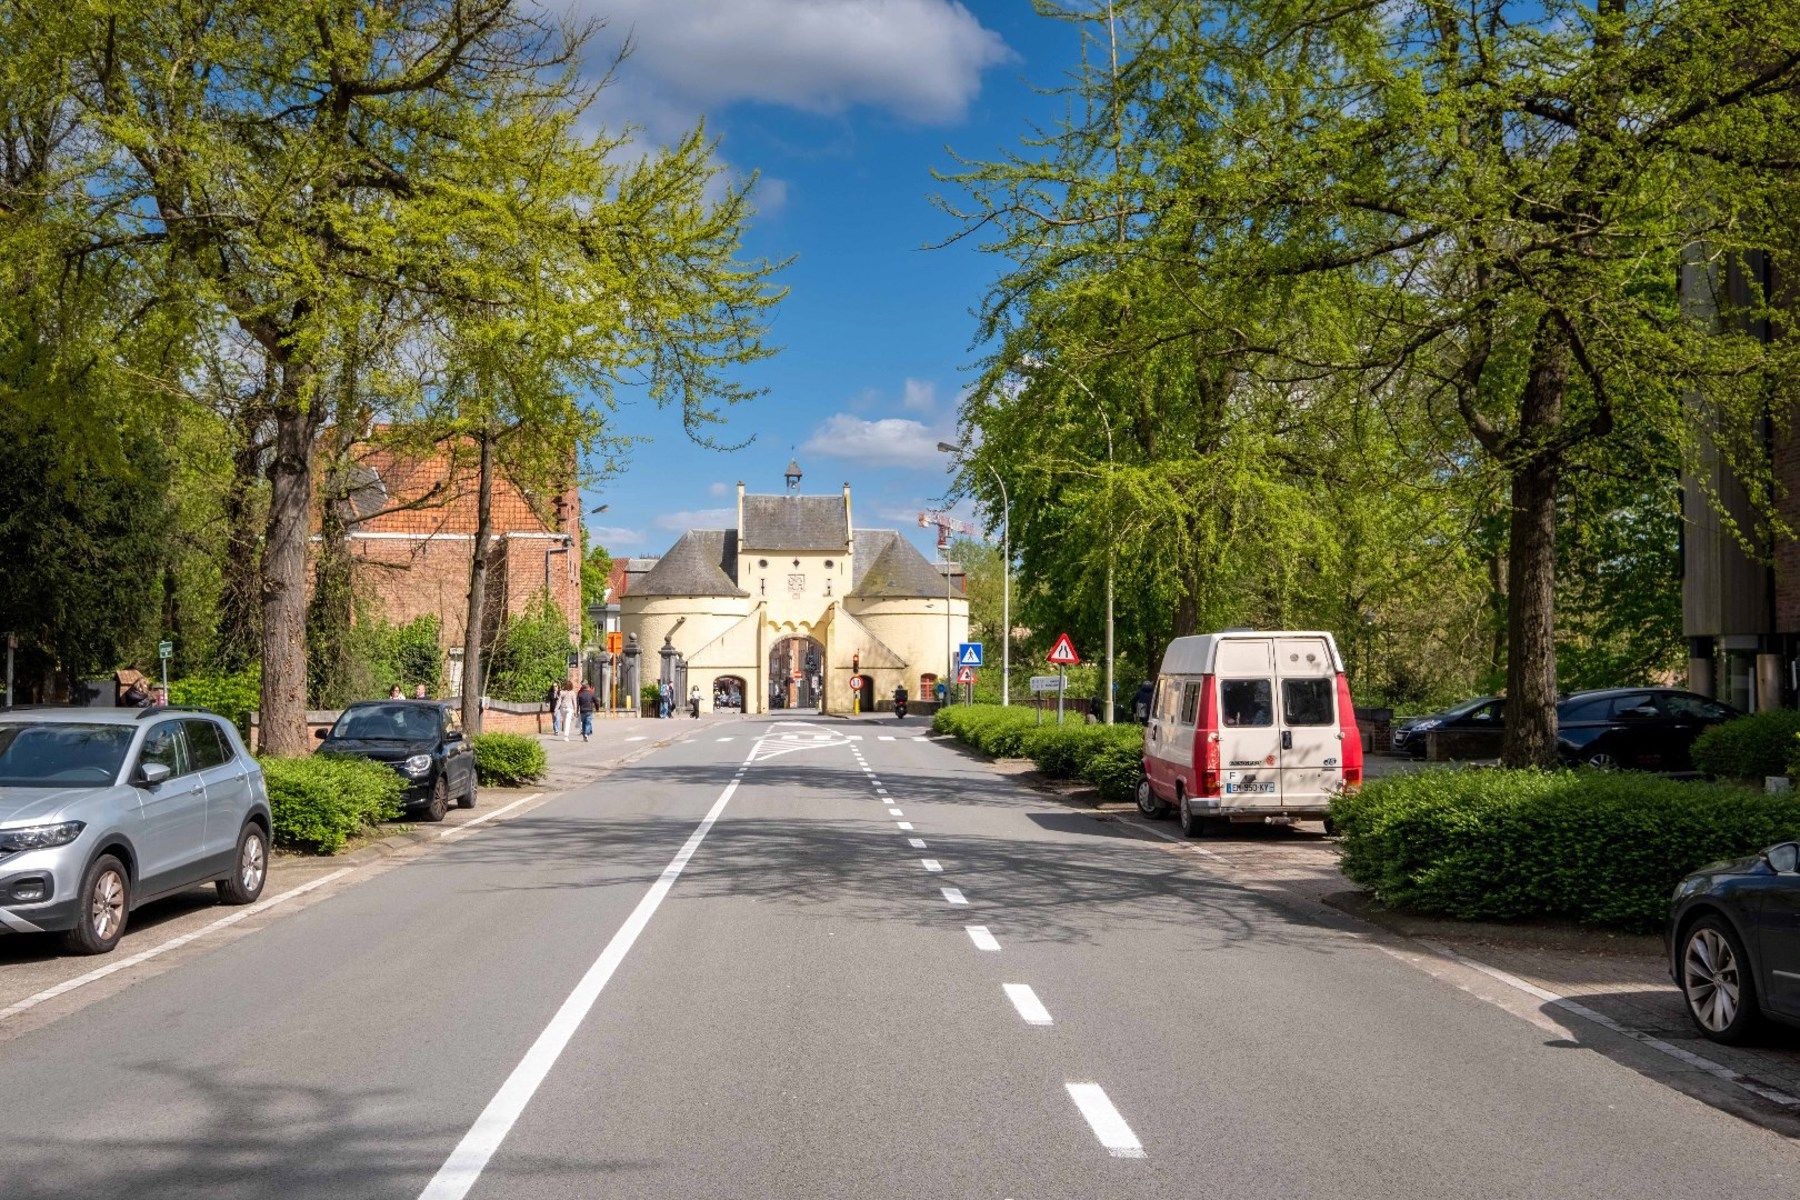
{"x":56,"y":754}
{"x":389,"y":723}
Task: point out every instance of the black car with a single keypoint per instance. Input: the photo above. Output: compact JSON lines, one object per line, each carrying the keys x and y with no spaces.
{"x":1482,"y":713}
{"x":1734,"y":943}
{"x":1648,"y":729}
{"x":421,"y":739}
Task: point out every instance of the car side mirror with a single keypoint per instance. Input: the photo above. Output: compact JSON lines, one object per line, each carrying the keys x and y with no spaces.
{"x":1783,"y":857}
{"x":151,"y":774}
{"x":321,"y":734}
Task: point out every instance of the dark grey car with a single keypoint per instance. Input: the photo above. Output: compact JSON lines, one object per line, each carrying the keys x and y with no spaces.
{"x":102,"y":810}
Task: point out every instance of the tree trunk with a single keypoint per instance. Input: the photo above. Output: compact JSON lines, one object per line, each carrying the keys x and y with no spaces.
{"x":478,"y":566}
{"x":283,"y":716}
{"x":240,"y":623}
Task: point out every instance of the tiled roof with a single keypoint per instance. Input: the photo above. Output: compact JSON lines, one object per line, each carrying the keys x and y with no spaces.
{"x":700,"y":563}
{"x":869,"y":545}
{"x":898,"y":571}
{"x":794,"y":523}
{"x":434,"y":493}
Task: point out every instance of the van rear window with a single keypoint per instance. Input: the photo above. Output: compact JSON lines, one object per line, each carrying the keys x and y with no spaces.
{"x":1247,"y":702}
{"x":1308,"y":701}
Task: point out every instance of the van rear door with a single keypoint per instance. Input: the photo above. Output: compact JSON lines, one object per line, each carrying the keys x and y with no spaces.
{"x":1311,"y":747}
{"x":1249,"y":745}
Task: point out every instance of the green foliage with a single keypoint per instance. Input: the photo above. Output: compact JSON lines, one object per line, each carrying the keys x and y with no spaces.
{"x":379,"y":655}
{"x":648,"y":695}
{"x":233,"y":696}
{"x":509,"y":759}
{"x":1748,"y":747}
{"x":1596,"y":847}
{"x":531,"y":654}
{"x":1109,"y":757}
{"x":322,"y":801}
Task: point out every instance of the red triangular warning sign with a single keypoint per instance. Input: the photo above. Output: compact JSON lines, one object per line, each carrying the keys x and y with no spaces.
{"x":966,"y":675}
{"x":1063,"y":653}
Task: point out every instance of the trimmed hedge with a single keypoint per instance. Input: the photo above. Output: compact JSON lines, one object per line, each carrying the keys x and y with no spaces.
{"x":1109,"y":757}
{"x":1597,"y":847}
{"x":321,"y":801}
{"x":1748,"y":747}
{"x":508,"y":759}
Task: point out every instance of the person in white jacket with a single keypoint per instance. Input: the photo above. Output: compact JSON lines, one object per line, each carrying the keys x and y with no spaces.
{"x":565,"y":707}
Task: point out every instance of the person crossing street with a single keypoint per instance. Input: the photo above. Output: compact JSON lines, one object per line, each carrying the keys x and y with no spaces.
{"x":586,"y":702}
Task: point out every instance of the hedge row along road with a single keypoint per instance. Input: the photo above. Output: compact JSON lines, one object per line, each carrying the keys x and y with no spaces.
{"x":816,"y":958}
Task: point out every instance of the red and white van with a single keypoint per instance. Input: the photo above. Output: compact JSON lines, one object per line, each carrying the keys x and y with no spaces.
{"x":1249,"y":726}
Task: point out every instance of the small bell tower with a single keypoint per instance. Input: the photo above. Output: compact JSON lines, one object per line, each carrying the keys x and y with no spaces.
{"x":793,"y":477}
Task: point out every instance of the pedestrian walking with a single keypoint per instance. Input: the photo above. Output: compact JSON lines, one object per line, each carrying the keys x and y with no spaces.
{"x":664,"y":702}
{"x":586,"y":702}
{"x":550,"y":699}
{"x":694,"y":702}
{"x":565,"y":708}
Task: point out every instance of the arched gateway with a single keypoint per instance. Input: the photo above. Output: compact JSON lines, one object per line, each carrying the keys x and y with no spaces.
{"x":796,"y":672}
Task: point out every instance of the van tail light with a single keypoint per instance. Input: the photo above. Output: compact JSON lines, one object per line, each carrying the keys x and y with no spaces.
{"x":1206,"y":741}
{"x":1352,"y":738}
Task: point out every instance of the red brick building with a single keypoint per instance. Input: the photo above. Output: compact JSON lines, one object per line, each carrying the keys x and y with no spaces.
{"x":411,"y":535}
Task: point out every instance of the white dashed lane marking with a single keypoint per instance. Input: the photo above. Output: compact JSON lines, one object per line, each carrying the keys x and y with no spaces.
{"x":953,"y":895}
{"x":917,"y":843}
{"x":931,"y":864}
{"x":981,"y":937}
{"x":1104,"y":1119}
{"x":906,"y":825}
{"x":1030,"y":1008}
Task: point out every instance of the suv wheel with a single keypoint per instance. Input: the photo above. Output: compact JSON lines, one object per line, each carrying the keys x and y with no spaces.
{"x":467,"y":799}
{"x":105,"y":905}
{"x":440,"y":800}
{"x":1717,"y":981}
{"x":245,"y":883}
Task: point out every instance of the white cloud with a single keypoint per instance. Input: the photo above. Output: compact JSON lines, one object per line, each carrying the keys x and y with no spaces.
{"x":701,"y":518}
{"x":616,"y":537}
{"x":920,"y":59}
{"x":919,"y":395}
{"x":718,"y":488}
{"x":889,"y":442}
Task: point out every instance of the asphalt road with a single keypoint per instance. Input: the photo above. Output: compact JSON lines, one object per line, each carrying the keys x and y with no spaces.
{"x":610,"y":995}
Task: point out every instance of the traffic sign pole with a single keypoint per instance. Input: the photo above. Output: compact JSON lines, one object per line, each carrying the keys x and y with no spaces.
{"x":1062,"y":685}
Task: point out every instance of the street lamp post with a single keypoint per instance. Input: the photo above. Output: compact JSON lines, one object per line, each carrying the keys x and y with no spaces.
{"x":1005,"y":580}
{"x":1032,"y":362}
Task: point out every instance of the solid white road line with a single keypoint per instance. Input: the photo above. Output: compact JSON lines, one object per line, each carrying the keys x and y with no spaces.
{"x":1026,"y":1001}
{"x":981,"y":937}
{"x":132,"y":960}
{"x":916,"y":843}
{"x":498,"y":812}
{"x":466,"y":1162}
{"x":1105,"y":1121}
{"x":931,"y":864}
{"x":953,"y":895}
{"x":906,"y":825}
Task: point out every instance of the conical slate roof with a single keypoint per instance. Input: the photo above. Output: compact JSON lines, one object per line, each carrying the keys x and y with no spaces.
{"x":899,"y":572}
{"x":699,"y":564}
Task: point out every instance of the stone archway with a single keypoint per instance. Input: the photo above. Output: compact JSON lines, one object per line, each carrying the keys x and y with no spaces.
{"x":796,"y":672}
{"x":729,"y":692}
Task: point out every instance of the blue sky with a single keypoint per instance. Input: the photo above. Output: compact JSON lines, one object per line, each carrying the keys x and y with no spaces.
{"x":844,"y":107}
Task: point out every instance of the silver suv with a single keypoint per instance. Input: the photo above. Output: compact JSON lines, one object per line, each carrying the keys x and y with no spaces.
{"x":102,"y":810}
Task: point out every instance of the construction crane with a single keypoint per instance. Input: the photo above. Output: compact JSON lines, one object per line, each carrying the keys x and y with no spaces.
{"x":946,"y":525}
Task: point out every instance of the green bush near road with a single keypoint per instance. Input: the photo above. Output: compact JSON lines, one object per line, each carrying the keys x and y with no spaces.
{"x":321,"y":801}
{"x":1109,"y":757}
{"x":1604,"y":848}
{"x":508,"y":759}
{"x":233,"y":697}
{"x":1749,"y":747}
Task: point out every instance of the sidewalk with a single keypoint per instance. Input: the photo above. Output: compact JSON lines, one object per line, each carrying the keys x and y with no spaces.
{"x":575,"y":762}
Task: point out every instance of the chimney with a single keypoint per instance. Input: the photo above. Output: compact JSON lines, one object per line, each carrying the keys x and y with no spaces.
{"x":849,"y":529}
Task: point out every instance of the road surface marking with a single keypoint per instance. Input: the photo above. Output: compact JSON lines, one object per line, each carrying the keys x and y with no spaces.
{"x":498,"y":812}
{"x":917,"y":843}
{"x":132,"y":960}
{"x":887,"y":737}
{"x":636,"y":738}
{"x":466,"y":1162}
{"x":906,"y":825}
{"x":953,"y":895}
{"x":931,"y":864}
{"x":1105,"y":1120}
{"x":1029,"y":1006}
{"x":981,"y":937}
{"x":894,"y":812}
{"x":725,"y":739}
{"x":1554,"y":1000}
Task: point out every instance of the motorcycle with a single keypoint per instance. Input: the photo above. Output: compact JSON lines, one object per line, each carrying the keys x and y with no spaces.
{"x":900,"y":709}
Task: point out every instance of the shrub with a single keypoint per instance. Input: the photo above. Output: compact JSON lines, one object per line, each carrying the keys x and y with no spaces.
{"x":1601,"y":848}
{"x":531,"y":654}
{"x":1116,"y":768}
{"x":508,"y":759}
{"x":1748,"y":747}
{"x":233,"y":697}
{"x":321,"y":801}
{"x":1109,"y":757}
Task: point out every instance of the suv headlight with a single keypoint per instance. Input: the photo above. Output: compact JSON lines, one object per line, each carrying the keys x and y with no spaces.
{"x":418,"y":764}
{"x":40,"y":837}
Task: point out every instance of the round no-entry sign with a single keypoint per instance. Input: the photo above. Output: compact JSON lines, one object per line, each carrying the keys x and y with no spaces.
{"x":856,"y":683}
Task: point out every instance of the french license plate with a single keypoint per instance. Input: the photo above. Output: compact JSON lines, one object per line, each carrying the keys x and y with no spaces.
{"x":1250,"y":789}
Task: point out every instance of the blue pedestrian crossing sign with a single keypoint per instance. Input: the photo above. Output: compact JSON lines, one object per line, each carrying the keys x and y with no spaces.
{"x":968,"y":654}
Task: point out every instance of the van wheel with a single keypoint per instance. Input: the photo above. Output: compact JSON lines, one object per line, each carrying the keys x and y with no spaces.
{"x":1191,"y":825}
{"x":1149,"y":803}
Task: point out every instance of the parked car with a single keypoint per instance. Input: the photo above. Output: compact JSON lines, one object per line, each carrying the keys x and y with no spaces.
{"x":421,"y":739}
{"x":1649,"y":729}
{"x":1481,"y":713}
{"x":103,"y":810}
{"x":1249,"y":726}
{"x":1733,"y":941}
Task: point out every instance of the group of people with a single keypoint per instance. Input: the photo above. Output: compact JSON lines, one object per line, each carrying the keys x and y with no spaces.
{"x":419,"y":692}
{"x":139,"y":695}
{"x":567,"y":702}
{"x":667,"y":699}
